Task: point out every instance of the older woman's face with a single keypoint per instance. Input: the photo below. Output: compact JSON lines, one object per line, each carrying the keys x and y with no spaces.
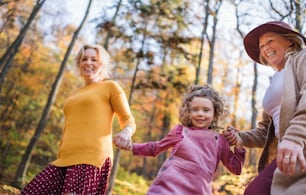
{"x":273,"y":48}
{"x":90,"y":65}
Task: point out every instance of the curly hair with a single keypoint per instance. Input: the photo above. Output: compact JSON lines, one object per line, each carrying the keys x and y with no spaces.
{"x":220,"y":109}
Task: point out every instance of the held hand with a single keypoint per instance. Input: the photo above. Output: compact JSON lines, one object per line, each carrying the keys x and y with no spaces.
{"x":123,"y":139}
{"x":239,"y":143}
{"x":287,"y":156}
{"x":232,"y":136}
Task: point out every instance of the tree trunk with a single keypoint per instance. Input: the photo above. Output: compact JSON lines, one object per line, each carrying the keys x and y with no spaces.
{"x":7,"y":58}
{"x":109,"y":33}
{"x":198,"y":68}
{"x":51,"y":98}
{"x":212,"y":42}
{"x":252,"y":153}
{"x":117,"y":153}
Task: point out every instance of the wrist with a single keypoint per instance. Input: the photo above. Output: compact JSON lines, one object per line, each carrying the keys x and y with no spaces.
{"x":128,"y":130}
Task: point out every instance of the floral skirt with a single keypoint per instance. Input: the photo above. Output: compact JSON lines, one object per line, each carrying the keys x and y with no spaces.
{"x":79,"y":179}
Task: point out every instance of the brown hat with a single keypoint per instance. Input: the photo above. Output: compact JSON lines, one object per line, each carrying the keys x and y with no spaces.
{"x":251,"y":40}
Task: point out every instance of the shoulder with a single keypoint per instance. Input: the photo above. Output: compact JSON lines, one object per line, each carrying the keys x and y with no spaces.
{"x":111,"y":85}
{"x":176,"y":130}
{"x":109,"y":82}
{"x":179,"y":127}
{"x":300,"y":56}
{"x":221,"y":139}
{"x":297,"y":64}
{"x":302,"y":52}
{"x":221,"y":136}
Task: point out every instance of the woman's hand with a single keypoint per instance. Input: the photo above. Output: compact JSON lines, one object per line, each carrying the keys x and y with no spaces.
{"x":123,"y":139}
{"x":287,"y":156}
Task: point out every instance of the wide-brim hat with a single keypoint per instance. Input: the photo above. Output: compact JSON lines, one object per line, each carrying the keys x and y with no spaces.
{"x":251,"y":40}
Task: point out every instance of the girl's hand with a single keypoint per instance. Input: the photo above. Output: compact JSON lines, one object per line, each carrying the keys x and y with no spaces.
{"x":232,"y":136}
{"x":123,"y":139}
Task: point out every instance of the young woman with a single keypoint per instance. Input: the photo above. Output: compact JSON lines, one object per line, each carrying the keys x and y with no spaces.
{"x":85,"y":152}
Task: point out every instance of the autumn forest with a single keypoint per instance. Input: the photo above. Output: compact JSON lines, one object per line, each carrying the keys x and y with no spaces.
{"x":158,"y":48}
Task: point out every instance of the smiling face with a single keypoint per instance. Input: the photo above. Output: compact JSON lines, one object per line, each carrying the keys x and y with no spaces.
{"x":273,"y":48}
{"x":201,"y":112}
{"x":90,"y":66}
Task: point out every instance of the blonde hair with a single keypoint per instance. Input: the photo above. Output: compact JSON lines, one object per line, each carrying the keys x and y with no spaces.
{"x":220,"y":110}
{"x":297,"y":45}
{"x":103,"y":57}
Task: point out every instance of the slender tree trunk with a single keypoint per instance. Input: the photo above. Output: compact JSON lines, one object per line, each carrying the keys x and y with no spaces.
{"x":117,"y":152}
{"x":109,"y":33}
{"x":149,"y":134}
{"x":205,"y":23}
{"x":212,"y":42}
{"x":236,"y":96}
{"x":252,"y":151}
{"x":165,"y":128}
{"x":7,"y":58}
{"x":51,"y":98}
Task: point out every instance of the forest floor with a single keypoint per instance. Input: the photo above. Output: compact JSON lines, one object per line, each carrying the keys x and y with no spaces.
{"x":8,"y":190}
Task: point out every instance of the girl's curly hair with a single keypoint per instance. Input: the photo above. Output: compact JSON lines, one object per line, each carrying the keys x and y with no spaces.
{"x":220,"y":109}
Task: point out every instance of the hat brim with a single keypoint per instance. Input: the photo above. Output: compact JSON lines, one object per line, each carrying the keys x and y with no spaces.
{"x":251,"y":40}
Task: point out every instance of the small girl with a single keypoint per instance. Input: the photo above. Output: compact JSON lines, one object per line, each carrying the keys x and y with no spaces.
{"x":197,"y":147}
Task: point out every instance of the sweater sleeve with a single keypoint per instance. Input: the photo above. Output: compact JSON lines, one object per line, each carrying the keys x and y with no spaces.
{"x":155,"y":148}
{"x":233,"y":161}
{"x":121,"y":107}
{"x":257,"y":137}
{"x":296,"y":129}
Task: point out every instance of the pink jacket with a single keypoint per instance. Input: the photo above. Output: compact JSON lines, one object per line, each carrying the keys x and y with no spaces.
{"x":193,"y":160}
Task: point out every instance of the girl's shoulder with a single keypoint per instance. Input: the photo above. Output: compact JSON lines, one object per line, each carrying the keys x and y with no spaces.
{"x":175,"y":131}
{"x":178,"y":129}
{"x":221,"y":136}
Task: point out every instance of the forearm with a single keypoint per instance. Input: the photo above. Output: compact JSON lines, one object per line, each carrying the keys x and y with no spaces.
{"x":257,"y":137}
{"x":145,"y":149}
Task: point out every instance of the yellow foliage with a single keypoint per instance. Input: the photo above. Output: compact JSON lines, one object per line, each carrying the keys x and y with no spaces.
{"x":9,"y":190}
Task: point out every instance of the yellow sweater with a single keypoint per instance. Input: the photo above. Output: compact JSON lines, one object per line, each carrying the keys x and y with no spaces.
{"x":89,"y":113}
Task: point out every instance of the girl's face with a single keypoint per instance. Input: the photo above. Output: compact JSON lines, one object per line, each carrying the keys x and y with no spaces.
{"x":90,"y":66}
{"x":273,"y":48}
{"x":201,"y":112}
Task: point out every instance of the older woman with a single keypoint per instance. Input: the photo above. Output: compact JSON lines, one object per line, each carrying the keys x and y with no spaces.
{"x":86,"y":152}
{"x":282,"y":131}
